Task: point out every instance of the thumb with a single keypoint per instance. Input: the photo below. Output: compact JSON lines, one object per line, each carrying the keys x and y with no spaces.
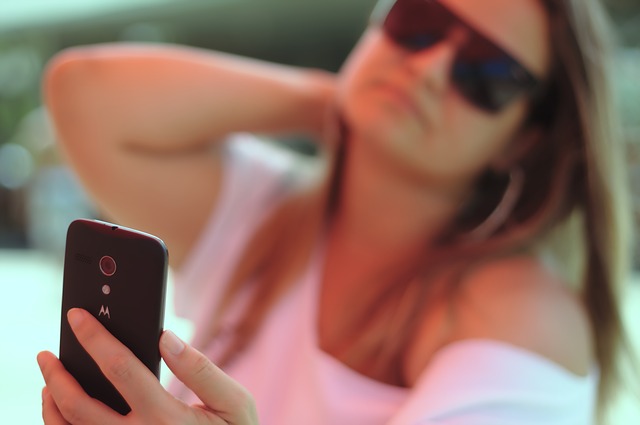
{"x":217,"y":390}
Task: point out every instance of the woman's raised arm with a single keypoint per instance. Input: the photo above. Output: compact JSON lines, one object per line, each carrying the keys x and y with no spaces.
{"x":138,"y":124}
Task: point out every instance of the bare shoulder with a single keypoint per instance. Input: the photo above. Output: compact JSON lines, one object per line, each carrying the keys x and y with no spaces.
{"x":516,"y":300}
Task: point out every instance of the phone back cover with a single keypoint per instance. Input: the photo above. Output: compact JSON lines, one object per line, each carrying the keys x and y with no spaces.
{"x":132,"y":308}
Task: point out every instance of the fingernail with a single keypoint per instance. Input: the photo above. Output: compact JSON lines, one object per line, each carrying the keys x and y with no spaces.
{"x":75,"y":317}
{"x":172,"y":343}
{"x":40,"y":358}
{"x":45,"y":392}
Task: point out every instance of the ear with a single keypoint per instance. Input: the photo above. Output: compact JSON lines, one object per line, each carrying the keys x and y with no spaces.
{"x":520,"y":145}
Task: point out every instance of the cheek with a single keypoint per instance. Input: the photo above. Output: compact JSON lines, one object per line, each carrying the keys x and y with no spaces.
{"x":484,"y":138}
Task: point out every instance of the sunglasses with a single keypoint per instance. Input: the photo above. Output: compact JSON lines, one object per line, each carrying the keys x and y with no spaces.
{"x":486,"y":75}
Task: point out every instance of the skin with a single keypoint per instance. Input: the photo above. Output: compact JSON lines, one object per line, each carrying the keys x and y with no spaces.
{"x":411,"y":165}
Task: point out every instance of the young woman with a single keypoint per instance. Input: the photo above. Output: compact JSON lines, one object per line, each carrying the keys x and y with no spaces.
{"x":452,"y":255}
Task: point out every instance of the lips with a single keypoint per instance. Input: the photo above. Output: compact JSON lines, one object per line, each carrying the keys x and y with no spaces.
{"x":403,"y":98}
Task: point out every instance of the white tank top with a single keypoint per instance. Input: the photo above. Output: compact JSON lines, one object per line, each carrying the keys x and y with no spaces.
{"x":470,"y":382}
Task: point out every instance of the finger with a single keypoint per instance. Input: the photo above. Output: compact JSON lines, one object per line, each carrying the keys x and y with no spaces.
{"x":135,"y":382}
{"x":216,"y":390}
{"x":73,"y":404}
{"x":50,"y":413}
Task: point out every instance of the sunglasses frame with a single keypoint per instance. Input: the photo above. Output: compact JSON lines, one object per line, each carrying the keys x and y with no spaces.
{"x":472,"y":78}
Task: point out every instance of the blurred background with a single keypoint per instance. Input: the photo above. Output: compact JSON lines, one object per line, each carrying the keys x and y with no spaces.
{"x":39,"y":196}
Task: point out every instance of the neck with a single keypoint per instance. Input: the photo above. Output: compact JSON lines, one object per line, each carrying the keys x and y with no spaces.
{"x":385,"y":219}
{"x":380,"y":233}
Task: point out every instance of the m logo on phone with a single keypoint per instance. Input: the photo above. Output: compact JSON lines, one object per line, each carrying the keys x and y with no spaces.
{"x":104,"y":311}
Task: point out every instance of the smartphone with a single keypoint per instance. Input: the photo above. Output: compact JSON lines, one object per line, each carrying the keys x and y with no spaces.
{"x":119,"y":275}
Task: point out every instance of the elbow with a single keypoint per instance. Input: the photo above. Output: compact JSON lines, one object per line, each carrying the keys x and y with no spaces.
{"x":65,"y":75}
{"x":70,"y":90}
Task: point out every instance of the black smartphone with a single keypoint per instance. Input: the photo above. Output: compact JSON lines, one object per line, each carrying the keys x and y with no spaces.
{"x":119,"y":275}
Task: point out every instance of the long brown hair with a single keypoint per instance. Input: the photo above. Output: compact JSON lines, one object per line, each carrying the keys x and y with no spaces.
{"x":575,"y":187}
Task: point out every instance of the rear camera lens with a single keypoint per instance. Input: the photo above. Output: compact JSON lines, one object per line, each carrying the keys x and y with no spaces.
{"x":107,"y":265}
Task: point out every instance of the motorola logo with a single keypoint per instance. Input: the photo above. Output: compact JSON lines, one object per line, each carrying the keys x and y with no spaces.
{"x":104,"y":311}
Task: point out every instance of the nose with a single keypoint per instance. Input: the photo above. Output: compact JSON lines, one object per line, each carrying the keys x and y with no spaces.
{"x":433,"y":64}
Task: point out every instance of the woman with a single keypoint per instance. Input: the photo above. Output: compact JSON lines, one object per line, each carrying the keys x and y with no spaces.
{"x":427,"y":268}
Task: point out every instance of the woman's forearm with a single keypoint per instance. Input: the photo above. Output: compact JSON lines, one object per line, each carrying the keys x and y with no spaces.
{"x":170,"y":98}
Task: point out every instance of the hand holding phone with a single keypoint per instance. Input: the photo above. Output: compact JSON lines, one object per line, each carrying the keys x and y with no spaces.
{"x":119,"y":276}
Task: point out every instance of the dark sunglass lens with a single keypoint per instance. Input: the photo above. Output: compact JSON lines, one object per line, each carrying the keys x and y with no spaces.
{"x":471,"y":83}
{"x":486,"y":84}
{"x":487,"y":75}
{"x":416,"y":24}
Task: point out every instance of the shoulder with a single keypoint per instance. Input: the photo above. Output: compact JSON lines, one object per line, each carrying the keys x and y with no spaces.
{"x":519,"y":301}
